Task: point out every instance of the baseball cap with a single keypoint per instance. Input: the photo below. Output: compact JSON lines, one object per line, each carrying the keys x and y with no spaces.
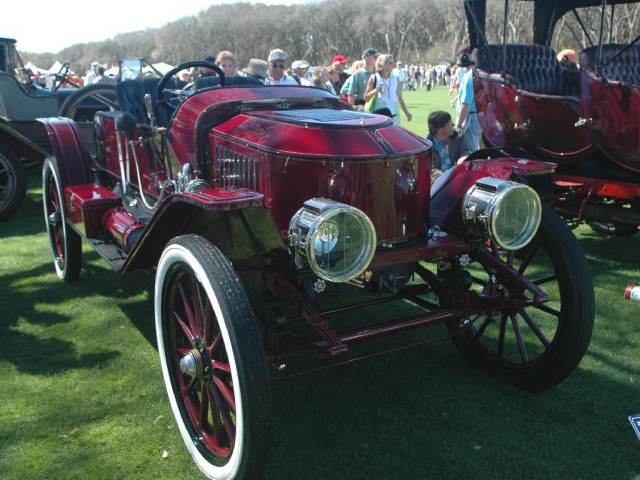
{"x":299,"y":64}
{"x":277,"y":54}
{"x":339,"y":59}
{"x":370,"y":51}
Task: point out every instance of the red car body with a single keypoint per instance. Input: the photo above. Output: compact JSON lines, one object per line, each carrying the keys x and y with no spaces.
{"x":258,"y":204}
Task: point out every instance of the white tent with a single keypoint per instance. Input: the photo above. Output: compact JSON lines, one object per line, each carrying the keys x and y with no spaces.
{"x":37,"y":70}
{"x":55,"y":68}
{"x":112,"y":72}
{"x":161,"y":67}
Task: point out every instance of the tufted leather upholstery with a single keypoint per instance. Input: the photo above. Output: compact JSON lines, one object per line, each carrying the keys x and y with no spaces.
{"x":131,"y":99}
{"x":625,"y":68}
{"x":534,"y":67}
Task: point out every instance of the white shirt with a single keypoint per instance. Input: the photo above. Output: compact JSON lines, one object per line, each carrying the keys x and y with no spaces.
{"x":285,"y":80}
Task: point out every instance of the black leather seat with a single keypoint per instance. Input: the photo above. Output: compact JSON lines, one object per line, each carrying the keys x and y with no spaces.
{"x":535,"y":68}
{"x":131,"y":99}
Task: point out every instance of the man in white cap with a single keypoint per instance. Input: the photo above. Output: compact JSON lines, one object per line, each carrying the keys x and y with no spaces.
{"x":277,"y":62}
{"x":91,"y":75}
{"x":301,"y":70}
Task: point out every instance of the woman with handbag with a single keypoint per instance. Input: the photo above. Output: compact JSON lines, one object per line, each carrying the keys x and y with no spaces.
{"x":384,"y":89}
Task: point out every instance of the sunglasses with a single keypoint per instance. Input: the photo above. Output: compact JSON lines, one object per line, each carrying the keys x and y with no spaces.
{"x":277,"y":65}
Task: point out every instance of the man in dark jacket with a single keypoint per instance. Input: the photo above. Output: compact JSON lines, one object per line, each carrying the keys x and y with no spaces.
{"x":448,"y":146}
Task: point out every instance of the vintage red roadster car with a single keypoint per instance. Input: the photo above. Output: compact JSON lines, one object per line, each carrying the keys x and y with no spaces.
{"x":22,"y":100}
{"x":585,"y":117}
{"x":274,"y":214}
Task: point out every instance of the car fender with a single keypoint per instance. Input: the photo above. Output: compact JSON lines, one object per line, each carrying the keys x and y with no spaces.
{"x":448,"y":190}
{"x":233,"y":219}
{"x":67,"y":145}
{"x":20,"y":144}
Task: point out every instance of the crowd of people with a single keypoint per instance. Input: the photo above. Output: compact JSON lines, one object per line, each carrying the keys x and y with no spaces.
{"x":374,"y":82}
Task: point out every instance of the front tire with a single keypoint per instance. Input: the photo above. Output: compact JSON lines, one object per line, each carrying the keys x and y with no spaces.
{"x":13,"y":182}
{"x":535,"y":347}
{"x":65,"y":242}
{"x":212,"y":359}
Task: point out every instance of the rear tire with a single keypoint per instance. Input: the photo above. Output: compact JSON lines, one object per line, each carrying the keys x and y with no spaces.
{"x":212,"y":359}
{"x":535,"y":347}
{"x":13,"y":182}
{"x":96,"y":97}
{"x":65,"y":242}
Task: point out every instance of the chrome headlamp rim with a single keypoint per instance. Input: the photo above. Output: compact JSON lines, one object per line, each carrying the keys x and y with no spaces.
{"x":307,"y":224}
{"x":483,"y":211}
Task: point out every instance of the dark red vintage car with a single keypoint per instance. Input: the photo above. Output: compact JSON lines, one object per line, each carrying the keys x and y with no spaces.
{"x":585,"y":117}
{"x":274,"y":214}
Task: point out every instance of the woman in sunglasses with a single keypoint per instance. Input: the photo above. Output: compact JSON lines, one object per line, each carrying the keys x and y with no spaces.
{"x":277,"y":64}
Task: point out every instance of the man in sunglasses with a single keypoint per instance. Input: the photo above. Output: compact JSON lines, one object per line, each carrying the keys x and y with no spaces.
{"x":276,"y":76}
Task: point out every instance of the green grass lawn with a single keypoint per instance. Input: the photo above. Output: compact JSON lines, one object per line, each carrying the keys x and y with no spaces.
{"x":81,"y":393}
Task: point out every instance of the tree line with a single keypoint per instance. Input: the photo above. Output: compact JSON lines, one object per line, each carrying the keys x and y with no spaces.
{"x":414,"y":31}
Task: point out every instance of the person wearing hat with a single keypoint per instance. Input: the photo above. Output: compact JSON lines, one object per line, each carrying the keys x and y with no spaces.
{"x":360,"y":78}
{"x":339,"y":62}
{"x":568,"y":59}
{"x":277,"y":64}
{"x":301,"y":73}
{"x":91,"y":75}
{"x":467,"y":122}
{"x":257,"y":69}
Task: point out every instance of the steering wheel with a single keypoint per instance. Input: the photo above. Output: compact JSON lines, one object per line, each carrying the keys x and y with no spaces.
{"x":60,"y":76}
{"x":177,"y":95}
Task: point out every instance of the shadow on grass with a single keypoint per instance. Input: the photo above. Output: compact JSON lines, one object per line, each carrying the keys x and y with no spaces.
{"x":424,"y":414}
{"x":50,"y":356}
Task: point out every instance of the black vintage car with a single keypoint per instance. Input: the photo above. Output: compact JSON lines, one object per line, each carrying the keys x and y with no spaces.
{"x":22,"y":101}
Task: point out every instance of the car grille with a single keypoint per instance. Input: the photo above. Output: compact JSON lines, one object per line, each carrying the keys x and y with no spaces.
{"x":233,"y":169}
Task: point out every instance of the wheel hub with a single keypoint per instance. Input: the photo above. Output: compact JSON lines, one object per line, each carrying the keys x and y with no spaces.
{"x":54,"y":219}
{"x":191,"y":364}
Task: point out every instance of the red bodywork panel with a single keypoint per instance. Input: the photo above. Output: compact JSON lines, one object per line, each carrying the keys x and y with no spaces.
{"x":613,"y":112}
{"x":542,"y":124}
{"x":86,"y":204}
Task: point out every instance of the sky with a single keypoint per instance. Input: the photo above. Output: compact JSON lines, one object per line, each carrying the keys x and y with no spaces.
{"x":48,"y":26}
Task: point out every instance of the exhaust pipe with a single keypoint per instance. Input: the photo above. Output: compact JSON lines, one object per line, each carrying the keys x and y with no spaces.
{"x":123,"y":227}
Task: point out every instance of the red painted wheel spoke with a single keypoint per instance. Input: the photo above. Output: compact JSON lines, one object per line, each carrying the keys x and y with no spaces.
{"x":199,"y":310}
{"x":226,"y":391}
{"x":187,"y":308}
{"x":534,"y":328}
{"x":215,"y":415}
{"x":546,"y":279}
{"x":532,"y":249}
{"x":518,"y":333}
{"x":226,"y":416}
{"x":549,"y":310}
{"x":503,"y":325}
{"x":185,"y":329}
{"x":225,"y":367}
{"x":215,"y":346}
{"x":204,"y":405}
{"x":483,"y":327}
{"x":188,"y":389}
